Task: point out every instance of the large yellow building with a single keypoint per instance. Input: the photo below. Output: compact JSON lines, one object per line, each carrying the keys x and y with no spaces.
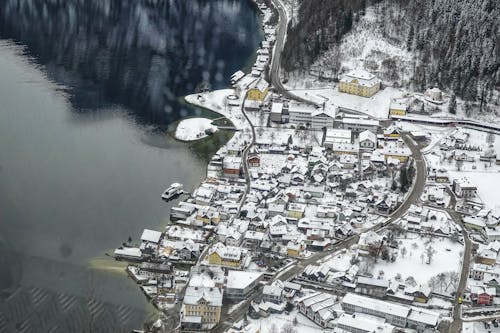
{"x":221,"y":255}
{"x":201,"y":308}
{"x":359,"y":82}
{"x":258,"y":90}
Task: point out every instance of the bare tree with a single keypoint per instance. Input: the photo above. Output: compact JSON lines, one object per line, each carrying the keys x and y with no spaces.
{"x":288,"y":328}
{"x":429,"y":251}
{"x":273,"y":328}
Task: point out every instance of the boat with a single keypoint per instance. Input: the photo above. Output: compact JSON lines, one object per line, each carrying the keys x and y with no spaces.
{"x":172,"y":191}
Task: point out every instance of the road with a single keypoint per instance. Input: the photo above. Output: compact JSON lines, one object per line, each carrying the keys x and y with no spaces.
{"x":245,"y":155}
{"x":456,"y":325}
{"x":274,"y":72}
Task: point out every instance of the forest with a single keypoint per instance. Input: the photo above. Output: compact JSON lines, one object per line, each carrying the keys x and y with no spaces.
{"x":455,"y":42}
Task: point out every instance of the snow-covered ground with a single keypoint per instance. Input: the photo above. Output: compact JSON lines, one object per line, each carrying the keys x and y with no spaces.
{"x":487,"y":185}
{"x":217,"y":101}
{"x":376,"y":106}
{"x":447,"y":257}
{"x":304,"y":325}
{"x":480,"y":174}
{"x":194,"y":129}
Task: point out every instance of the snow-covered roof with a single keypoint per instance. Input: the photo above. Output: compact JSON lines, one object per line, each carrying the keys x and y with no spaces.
{"x":241,"y":279}
{"x":375,"y":304}
{"x":367,"y":135}
{"x":210,"y":294}
{"x":363,"y":77}
{"x":277,"y":107}
{"x":151,"y":236}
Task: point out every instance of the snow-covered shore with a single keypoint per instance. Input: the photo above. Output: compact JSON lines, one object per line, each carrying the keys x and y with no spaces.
{"x":194,"y":129}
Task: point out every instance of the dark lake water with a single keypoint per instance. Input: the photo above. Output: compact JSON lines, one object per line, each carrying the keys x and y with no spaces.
{"x":86,"y":89}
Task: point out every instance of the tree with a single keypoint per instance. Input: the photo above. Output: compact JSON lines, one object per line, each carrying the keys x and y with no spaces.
{"x":409,"y":40}
{"x":429,"y":251}
{"x":452,"y":105}
{"x":410,"y":280}
{"x":403,"y":179}
{"x":273,"y":328}
{"x":403,"y":251}
{"x":288,"y":328}
{"x":459,"y":164}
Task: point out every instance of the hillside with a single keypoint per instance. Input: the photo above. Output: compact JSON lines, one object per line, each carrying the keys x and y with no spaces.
{"x":408,"y":43}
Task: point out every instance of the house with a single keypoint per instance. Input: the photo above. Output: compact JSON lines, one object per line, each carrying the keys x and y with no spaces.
{"x":273,"y":293}
{"x":151,"y":236}
{"x":223,"y":255}
{"x":359,"y":124}
{"x":258,"y":90}
{"x":322,"y":118}
{"x":204,"y":194}
{"x":239,"y":284}
{"x":394,"y":314}
{"x":276,"y":112}
{"x":367,"y":140}
{"x":422,"y":320}
{"x":463,"y":188}
{"x":398,"y":107}
{"x":357,"y":324}
{"x":208,"y":215}
{"x":296,"y":210}
{"x":359,"y":82}
{"x":300,"y":114}
{"x":396,"y":150}
{"x":420,"y":294}
{"x":319,"y":307}
{"x":252,"y":239}
{"x":372,"y":287}
{"x":201,"y":308}
{"x":253,"y":160}
{"x":294,"y":249}
{"x":482,"y":295}
{"x":336,"y":135}
{"x":232,"y":166}
{"x":392,"y":132}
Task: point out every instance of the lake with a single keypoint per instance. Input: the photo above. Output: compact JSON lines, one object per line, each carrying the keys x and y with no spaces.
{"x":87,"y":89}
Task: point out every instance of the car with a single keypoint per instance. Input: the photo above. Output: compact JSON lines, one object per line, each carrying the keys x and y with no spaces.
{"x":460,"y":300}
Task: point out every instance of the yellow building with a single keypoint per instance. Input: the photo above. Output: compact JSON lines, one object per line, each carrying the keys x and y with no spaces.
{"x":228,"y":256}
{"x":398,"y":107}
{"x":294,"y":249}
{"x":208,"y":216}
{"x":392,"y":132}
{"x":296,"y":211}
{"x":258,"y":90}
{"x":359,"y":82}
{"x":201,"y":308}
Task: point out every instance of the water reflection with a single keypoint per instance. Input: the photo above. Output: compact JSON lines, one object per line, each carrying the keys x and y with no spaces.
{"x":141,"y":54}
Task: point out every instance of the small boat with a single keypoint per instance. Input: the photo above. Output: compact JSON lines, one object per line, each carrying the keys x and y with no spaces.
{"x":172,"y":191}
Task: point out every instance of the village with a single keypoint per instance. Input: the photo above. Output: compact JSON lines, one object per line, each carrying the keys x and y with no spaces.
{"x":329,"y":214}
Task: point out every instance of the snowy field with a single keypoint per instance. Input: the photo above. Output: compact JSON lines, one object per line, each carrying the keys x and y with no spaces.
{"x":194,"y":129}
{"x":447,"y":257}
{"x":217,"y":101}
{"x":488,"y":183}
{"x":480,"y":174}
{"x":376,"y":106}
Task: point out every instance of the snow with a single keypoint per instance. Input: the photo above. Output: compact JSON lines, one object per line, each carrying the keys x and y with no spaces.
{"x":376,"y":106}
{"x":194,"y":129}
{"x":412,"y":265}
{"x":304,"y":325}
{"x":216,"y":101}
{"x":486,"y":182}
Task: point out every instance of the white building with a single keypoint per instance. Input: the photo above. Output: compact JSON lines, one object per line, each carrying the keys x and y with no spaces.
{"x":334,"y":136}
{"x":367,"y":140}
{"x":359,"y":124}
